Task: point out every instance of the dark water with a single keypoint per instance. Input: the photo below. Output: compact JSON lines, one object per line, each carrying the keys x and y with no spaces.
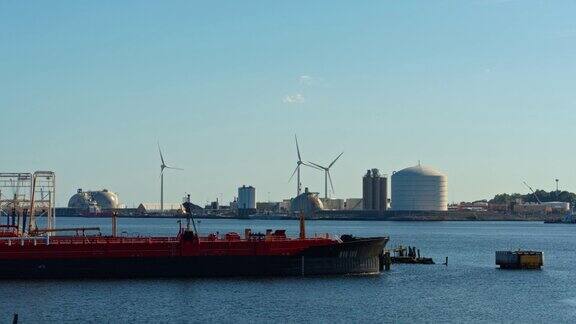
{"x":470,"y":289}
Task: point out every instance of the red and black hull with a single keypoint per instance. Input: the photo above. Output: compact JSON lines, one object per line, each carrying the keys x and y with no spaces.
{"x":353,"y":257}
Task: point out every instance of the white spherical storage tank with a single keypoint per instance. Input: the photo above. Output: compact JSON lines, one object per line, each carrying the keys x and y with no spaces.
{"x":419,"y":188}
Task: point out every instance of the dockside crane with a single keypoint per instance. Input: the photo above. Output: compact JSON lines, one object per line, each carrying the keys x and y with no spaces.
{"x":533,"y":192}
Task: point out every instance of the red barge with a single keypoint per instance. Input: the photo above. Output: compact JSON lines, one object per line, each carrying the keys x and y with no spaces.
{"x":41,"y":255}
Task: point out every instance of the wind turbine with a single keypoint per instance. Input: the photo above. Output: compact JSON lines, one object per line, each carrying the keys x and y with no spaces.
{"x":299,"y":163}
{"x":162,"y":167}
{"x":327,"y":174}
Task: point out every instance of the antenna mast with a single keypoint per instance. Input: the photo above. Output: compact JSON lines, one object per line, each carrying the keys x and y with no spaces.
{"x":188,"y":209}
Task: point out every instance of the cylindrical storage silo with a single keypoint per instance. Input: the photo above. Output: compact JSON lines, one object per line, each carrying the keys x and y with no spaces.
{"x":367,"y":203}
{"x":383,"y":181}
{"x":376,"y":189}
{"x":419,"y":188}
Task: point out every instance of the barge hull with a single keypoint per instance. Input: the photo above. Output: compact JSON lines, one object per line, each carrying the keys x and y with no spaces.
{"x":356,"y":257}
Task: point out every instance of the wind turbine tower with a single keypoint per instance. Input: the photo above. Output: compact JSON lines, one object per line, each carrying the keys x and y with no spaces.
{"x":162,"y":167}
{"x":299,"y":163}
{"x":327,"y":174}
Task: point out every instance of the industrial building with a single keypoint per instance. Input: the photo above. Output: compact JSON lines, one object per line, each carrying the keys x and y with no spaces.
{"x":94,"y":200}
{"x":268,"y":207}
{"x":419,"y":188}
{"x":285,"y":205}
{"x":246,"y":201}
{"x":155,"y":208}
{"x":374,"y":191}
{"x":353,"y":204}
{"x":544,"y":207}
{"x":333,"y":204}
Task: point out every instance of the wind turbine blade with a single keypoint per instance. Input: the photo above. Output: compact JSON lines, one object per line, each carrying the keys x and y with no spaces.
{"x":331,"y":184}
{"x":315,"y":166}
{"x":174,"y":168}
{"x":336,"y":159}
{"x":297,"y":148}
{"x":293,"y":173}
{"x":160,"y":151}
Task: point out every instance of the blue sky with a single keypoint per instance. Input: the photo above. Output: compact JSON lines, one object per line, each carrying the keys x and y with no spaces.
{"x":483,"y":90}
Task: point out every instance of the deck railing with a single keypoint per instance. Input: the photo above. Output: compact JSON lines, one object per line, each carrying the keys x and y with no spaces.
{"x":47,"y":240}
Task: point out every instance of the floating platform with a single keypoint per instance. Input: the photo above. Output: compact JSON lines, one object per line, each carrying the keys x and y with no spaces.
{"x":412,"y":260}
{"x":519,"y":259}
{"x":409,"y":255}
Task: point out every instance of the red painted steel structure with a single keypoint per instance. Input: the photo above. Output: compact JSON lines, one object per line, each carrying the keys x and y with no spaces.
{"x":31,"y":255}
{"x":29,"y":252}
{"x":274,"y":244}
{"x":185,"y":255}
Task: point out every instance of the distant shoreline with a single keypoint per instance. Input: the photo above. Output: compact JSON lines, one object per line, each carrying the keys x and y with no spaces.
{"x":460,"y":217}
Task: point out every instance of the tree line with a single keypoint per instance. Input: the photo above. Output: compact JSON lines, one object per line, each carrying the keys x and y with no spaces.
{"x":543,"y":195}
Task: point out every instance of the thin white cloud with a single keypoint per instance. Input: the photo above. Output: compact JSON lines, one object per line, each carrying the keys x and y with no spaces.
{"x":294,"y":98}
{"x":565,"y":33}
{"x":491,"y":2}
{"x":305,"y":84}
{"x":305,"y":79}
{"x":308,"y":80}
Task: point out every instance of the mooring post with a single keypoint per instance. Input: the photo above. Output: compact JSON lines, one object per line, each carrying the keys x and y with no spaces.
{"x":302,"y":226}
{"x":446,"y":263}
{"x":114,"y":224}
{"x":387,"y":261}
{"x":15,"y":319}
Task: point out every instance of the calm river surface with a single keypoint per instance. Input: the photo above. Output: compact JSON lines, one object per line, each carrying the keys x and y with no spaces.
{"x":469,"y":289}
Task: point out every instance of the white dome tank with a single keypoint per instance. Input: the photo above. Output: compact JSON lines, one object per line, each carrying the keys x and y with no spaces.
{"x":307,"y":203}
{"x":419,"y":188}
{"x":104,"y":199}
